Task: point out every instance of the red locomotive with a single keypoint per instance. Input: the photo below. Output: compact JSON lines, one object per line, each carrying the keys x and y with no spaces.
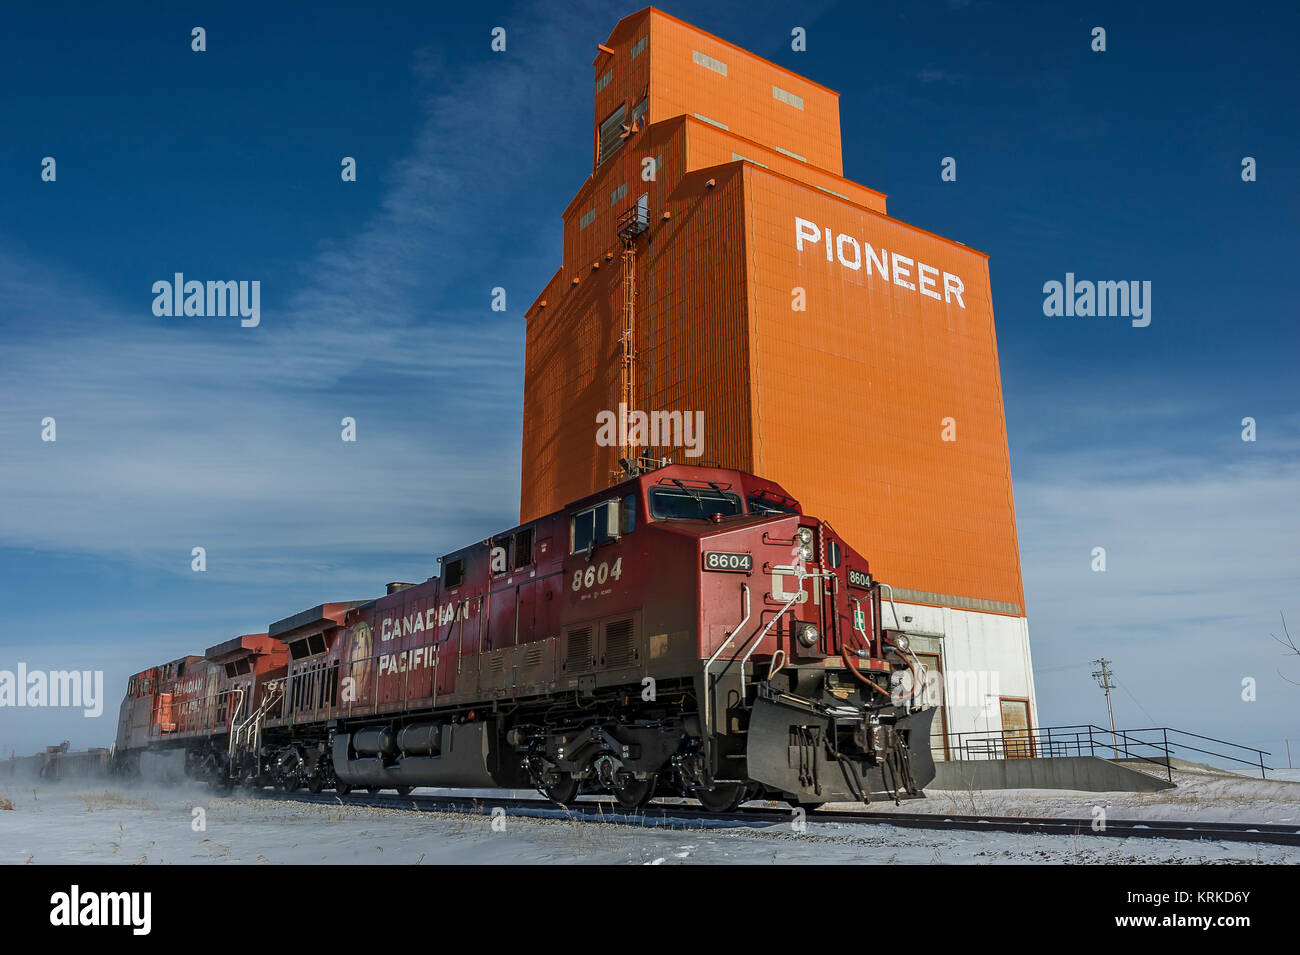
{"x":688,"y":631}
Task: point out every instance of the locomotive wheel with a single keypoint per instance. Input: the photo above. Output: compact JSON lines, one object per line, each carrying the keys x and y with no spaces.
{"x":636,"y":793}
{"x":289,"y":783}
{"x":315,"y":784}
{"x":341,"y":788}
{"x":404,"y":790}
{"x":724,"y":798}
{"x":564,"y":791}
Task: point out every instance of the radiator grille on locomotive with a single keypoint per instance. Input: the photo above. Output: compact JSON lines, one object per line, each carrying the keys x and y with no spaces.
{"x":578,"y":655}
{"x":620,"y":644}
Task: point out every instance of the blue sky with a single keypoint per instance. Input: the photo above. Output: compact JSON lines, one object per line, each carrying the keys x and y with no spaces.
{"x":176,"y":433}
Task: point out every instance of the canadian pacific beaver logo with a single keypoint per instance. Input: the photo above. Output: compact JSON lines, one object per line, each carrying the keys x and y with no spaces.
{"x":210,"y":693}
{"x":361,"y":660}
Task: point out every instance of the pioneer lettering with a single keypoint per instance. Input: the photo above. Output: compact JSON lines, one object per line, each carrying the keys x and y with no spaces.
{"x":903,"y":271}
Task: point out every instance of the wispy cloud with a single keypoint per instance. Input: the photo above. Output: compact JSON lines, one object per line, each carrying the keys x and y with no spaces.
{"x":1200,"y":558}
{"x":931,"y":74}
{"x":172,"y":434}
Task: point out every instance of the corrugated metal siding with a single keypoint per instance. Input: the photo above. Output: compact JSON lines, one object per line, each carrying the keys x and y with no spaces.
{"x":692,"y":354}
{"x":693,"y":340}
{"x":631,"y":75}
{"x":708,"y":146}
{"x":858,"y":437}
{"x":842,"y":403}
{"x":743,"y":98}
{"x":582,"y":246}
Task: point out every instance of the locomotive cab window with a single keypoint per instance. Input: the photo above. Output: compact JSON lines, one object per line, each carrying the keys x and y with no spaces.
{"x":691,"y":503}
{"x":308,"y":646}
{"x":238,"y":667}
{"x":523,"y":548}
{"x":596,"y":525}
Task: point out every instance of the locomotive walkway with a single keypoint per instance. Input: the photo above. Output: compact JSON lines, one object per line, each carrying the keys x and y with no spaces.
{"x":693,"y":817}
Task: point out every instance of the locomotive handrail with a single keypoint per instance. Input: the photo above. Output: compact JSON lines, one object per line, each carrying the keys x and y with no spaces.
{"x":252,"y":723}
{"x":804,"y":575}
{"x":865,"y":639}
{"x":455,"y":616}
{"x":708,"y":686}
{"x":234,"y":717}
{"x":892,"y":606}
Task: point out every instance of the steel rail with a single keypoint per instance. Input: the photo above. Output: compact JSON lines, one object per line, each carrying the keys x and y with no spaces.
{"x":660,"y":815}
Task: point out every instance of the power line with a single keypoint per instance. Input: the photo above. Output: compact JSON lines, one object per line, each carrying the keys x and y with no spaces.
{"x":1067,"y":666}
{"x":1149,"y":717}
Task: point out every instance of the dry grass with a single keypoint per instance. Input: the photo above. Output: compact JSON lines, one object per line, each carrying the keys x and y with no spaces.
{"x":6,"y":803}
{"x":110,"y":799}
{"x":215,"y":850}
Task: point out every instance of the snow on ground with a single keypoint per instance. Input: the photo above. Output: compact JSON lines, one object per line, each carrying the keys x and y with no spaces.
{"x":88,"y":823}
{"x":1202,"y":794}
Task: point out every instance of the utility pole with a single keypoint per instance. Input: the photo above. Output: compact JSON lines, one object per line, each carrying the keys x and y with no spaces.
{"x":1102,"y":677}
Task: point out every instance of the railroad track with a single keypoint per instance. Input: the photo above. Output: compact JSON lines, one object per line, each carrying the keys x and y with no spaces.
{"x":674,"y":816}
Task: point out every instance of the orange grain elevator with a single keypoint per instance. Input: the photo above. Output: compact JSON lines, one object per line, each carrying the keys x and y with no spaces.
{"x":717,"y":264}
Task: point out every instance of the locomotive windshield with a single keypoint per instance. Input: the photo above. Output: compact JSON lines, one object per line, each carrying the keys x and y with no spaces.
{"x":691,"y":503}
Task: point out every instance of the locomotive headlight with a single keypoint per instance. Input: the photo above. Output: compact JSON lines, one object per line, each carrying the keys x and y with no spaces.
{"x":902,"y":642}
{"x":805,"y":536}
{"x":805,"y":552}
{"x":808,"y":635}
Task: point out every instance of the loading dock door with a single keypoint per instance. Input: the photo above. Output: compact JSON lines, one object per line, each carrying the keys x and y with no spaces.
{"x":934,"y":697}
{"x":1016,"y":740}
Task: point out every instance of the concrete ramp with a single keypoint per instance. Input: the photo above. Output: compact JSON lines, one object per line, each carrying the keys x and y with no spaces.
{"x":1083,"y":773}
{"x":1186,"y":765}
